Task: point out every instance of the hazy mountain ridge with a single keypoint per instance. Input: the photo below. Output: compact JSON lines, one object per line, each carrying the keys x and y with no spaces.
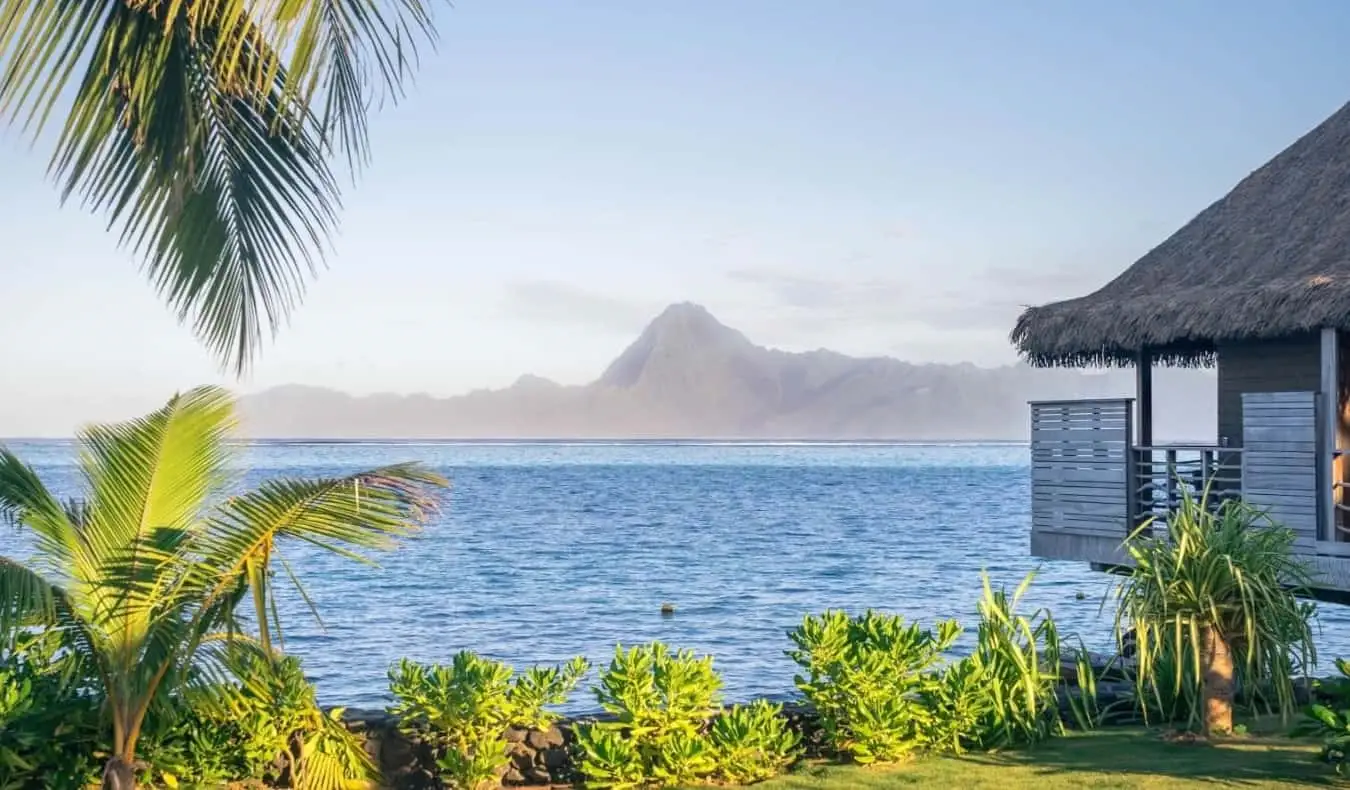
{"x":689,"y":376}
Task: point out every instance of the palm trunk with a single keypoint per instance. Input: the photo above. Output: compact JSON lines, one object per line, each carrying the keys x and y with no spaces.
{"x":119,"y":774}
{"x":1217,"y":665}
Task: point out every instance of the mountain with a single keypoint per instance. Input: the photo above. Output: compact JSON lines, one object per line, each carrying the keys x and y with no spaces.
{"x":690,"y":376}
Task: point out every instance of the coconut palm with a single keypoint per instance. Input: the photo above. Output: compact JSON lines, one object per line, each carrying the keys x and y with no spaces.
{"x":204,"y":130}
{"x":1214,"y":600}
{"x":144,"y":578}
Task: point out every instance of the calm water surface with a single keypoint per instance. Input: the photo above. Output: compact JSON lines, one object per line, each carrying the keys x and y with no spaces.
{"x":545,"y":551}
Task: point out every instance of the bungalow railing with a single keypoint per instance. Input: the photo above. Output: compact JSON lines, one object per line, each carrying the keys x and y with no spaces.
{"x":1161,"y":475}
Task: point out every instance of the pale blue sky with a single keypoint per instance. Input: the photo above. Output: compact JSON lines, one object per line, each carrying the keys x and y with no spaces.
{"x":879,"y":177}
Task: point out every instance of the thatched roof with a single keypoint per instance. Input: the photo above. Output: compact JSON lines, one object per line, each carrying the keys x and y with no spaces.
{"x":1270,"y":259}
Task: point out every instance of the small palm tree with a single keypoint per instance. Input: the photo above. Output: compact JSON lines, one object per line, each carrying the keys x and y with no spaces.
{"x":205,"y":132}
{"x":144,"y":577}
{"x":1213,"y":600}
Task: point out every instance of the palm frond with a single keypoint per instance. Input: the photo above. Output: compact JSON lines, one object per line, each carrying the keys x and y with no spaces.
{"x":153,"y":475}
{"x":346,"y":515}
{"x":25,"y":599}
{"x":25,"y":501}
{"x":351,"y":54}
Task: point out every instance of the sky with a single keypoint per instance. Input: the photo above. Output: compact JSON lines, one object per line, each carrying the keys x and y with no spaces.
{"x":879,"y":178}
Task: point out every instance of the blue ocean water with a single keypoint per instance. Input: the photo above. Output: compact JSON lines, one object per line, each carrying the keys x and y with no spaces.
{"x":544,"y":551}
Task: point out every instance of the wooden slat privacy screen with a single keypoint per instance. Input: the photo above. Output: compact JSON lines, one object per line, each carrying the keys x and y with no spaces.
{"x":1280,"y":458}
{"x":1080,"y":456}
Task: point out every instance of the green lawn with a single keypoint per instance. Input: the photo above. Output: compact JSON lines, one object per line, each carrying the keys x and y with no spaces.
{"x":1109,"y":759}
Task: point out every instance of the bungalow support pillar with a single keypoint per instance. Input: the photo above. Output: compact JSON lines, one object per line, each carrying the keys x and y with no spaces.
{"x":1143,"y":377}
{"x":1328,"y":465}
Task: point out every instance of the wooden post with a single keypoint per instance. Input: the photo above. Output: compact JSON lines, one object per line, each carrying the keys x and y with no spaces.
{"x":1143,"y":385}
{"x":1328,"y":428}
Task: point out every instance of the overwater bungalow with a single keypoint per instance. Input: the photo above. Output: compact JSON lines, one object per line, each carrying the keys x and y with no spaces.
{"x":1257,"y":285}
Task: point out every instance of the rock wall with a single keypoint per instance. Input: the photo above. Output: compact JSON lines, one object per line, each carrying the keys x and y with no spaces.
{"x":538,"y":758}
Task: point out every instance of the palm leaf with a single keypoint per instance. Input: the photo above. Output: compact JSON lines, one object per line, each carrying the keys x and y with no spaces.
{"x":346,"y":515}
{"x":25,"y":501}
{"x":25,"y":598}
{"x":188,"y":134}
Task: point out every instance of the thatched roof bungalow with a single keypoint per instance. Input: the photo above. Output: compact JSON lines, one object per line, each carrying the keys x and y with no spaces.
{"x":1270,"y":259}
{"x":1257,"y":284}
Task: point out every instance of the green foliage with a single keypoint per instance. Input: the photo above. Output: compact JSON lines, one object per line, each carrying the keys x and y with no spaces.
{"x":752,"y":742}
{"x":882,"y":690}
{"x":1017,"y":660}
{"x":1330,"y":722}
{"x":204,"y":132}
{"x":50,"y":731}
{"x":868,"y":678}
{"x":465,"y":708}
{"x":669,"y":728}
{"x":1224,"y":567}
{"x":142,"y":580}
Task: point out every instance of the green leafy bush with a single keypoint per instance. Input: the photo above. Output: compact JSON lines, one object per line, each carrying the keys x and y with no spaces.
{"x":670,"y":729}
{"x":465,"y":708}
{"x":1214,"y":602}
{"x":1329,"y":720}
{"x":50,"y":729}
{"x":871,"y":682}
{"x":883,"y":691}
{"x":1017,"y":662}
{"x":268,"y":728}
{"x":752,"y":742}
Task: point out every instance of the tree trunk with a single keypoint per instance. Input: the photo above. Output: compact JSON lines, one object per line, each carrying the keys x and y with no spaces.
{"x":119,"y":774}
{"x":1216,"y":660}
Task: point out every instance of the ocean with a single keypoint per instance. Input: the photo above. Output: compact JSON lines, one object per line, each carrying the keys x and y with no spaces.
{"x":544,"y":551}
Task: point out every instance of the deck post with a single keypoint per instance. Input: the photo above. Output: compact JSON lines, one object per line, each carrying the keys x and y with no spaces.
{"x":1328,"y":428}
{"x":1143,"y":385}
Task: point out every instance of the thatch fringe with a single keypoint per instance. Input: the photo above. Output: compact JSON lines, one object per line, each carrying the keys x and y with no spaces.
{"x":1270,"y":259}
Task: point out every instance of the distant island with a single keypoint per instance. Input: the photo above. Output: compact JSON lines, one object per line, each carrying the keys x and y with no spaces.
{"x":689,"y":376}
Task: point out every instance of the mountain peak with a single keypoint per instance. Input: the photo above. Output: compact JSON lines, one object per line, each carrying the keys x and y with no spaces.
{"x":680,"y":336}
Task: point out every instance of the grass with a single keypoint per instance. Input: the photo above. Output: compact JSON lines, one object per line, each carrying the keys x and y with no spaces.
{"x":1113,"y":759}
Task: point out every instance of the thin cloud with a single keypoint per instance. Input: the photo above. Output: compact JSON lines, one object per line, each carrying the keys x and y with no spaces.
{"x":555,"y":301}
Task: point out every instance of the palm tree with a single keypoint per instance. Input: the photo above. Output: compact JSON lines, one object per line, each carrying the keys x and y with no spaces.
{"x":1214,"y":600}
{"x":204,"y":130}
{"x":144,"y":577}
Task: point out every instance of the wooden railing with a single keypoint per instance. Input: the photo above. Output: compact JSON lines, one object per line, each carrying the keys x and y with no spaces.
{"x":1161,"y":475}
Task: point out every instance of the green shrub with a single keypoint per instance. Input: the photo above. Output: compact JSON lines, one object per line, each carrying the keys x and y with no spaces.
{"x":752,"y":742}
{"x":1329,"y":720}
{"x":882,"y":690}
{"x":50,"y":730}
{"x":269,"y":728}
{"x":670,"y":728}
{"x":465,"y":708}
{"x":871,"y":682}
{"x":1017,"y":660}
{"x":1214,"y":603}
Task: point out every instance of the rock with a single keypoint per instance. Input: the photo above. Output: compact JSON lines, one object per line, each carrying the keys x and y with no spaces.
{"x":513,"y":776}
{"x":555,"y":760}
{"x":523,"y":760}
{"x":536,"y":775}
{"x":515,"y":735}
{"x":544,"y":739}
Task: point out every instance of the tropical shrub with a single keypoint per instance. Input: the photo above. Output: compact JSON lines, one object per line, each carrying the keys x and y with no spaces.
{"x":143,"y":578}
{"x":268,"y":728}
{"x":49,"y":729}
{"x":1214,"y":601}
{"x":464,"y":709}
{"x":871,"y":682}
{"x":670,"y":729}
{"x":752,"y":743}
{"x":1016,"y":664}
{"x":1329,"y":719}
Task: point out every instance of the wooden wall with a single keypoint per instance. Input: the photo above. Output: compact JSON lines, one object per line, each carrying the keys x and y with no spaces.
{"x":1279,"y":461}
{"x":1286,"y":365}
